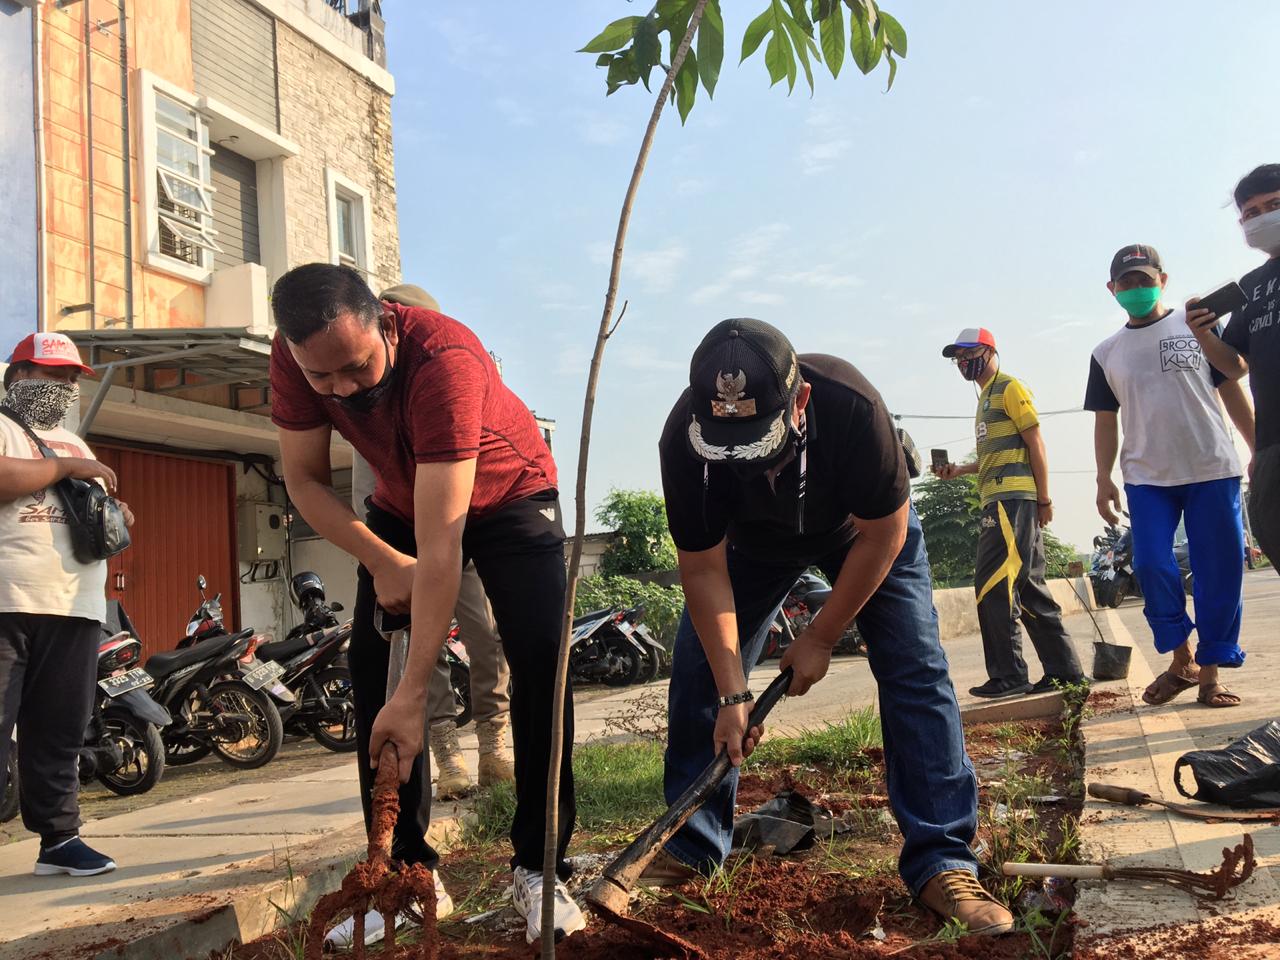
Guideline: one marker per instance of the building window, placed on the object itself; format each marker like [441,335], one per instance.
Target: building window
[184,183]
[349,218]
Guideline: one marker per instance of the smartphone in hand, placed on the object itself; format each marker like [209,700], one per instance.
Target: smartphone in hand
[1226,299]
[939,459]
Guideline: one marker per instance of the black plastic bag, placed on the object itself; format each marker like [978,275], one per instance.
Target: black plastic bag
[1242,774]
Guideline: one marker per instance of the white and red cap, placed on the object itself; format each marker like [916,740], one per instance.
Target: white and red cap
[970,337]
[49,350]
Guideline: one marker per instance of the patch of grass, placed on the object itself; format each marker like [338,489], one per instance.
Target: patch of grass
[618,787]
[840,744]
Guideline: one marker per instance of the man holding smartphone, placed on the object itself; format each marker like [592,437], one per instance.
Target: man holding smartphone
[1251,344]
[1178,463]
[1013,484]
[772,463]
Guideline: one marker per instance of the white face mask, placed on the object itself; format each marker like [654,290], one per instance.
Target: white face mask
[1263,233]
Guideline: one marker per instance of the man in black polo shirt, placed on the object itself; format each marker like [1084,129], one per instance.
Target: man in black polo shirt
[772,463]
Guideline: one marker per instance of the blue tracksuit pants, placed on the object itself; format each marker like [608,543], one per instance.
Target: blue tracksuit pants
[1215,540]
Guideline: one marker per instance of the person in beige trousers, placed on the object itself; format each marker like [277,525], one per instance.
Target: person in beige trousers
[478,631]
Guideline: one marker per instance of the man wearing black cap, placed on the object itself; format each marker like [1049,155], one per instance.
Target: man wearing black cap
[772,463]
[1178,463]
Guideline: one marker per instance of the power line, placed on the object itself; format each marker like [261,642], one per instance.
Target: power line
[922,416]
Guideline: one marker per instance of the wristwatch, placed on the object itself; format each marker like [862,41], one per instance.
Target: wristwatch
[735,698]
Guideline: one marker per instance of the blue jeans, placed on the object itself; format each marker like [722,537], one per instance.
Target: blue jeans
[933,791]
[1215,542]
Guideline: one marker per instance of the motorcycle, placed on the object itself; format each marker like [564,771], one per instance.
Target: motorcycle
[123,745]
[207,622]
[613,647]
[806,597]
[312,657]
[214,707]
[456,656]
[1111,567]
[9,802]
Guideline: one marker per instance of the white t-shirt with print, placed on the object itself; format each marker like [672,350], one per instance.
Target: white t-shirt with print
[1157,377]
[38,571]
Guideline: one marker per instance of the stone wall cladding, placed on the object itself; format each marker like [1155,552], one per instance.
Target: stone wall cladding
[340,120]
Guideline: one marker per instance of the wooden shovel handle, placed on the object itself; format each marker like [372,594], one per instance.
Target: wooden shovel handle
[1075,871]
[1125,795]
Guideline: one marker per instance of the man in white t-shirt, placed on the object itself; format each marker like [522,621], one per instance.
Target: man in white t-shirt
[1178,463]
[51,605]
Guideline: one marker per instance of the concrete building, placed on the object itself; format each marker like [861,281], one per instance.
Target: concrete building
[191,151]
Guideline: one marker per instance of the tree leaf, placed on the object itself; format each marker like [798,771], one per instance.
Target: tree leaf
[604,59]
[710,46]
[895,37]
[757,30]
[779,60]
[801,15]
[864,45]
[647,48]
[893,69]
[831,31]
[686,86]
[613,37]
[803,44]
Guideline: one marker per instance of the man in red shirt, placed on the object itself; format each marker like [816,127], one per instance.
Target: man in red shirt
[462,473]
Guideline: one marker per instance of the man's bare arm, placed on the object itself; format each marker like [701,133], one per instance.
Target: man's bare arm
[1238,408]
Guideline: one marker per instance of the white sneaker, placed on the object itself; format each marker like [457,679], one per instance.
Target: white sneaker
[526,894]
[374,928]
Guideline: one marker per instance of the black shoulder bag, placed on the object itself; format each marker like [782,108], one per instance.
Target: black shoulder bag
[98,530]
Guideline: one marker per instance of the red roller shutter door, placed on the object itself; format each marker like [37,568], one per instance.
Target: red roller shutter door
[185,527]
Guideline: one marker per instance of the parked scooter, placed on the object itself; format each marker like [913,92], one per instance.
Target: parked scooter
[260,674]
[123,747]
[313,662]
[807,596]
[214,707]
[1111,567]
[9,801]
[613,647]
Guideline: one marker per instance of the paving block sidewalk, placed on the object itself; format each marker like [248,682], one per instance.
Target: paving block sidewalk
[194,873]
[1135,745]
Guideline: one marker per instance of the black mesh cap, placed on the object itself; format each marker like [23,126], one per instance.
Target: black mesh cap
[742,379]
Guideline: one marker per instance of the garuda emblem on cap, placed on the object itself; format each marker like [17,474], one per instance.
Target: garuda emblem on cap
[730,390]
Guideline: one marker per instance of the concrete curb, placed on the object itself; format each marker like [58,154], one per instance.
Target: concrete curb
[1015,708]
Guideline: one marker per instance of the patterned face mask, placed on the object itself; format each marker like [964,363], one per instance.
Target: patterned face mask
[42,403]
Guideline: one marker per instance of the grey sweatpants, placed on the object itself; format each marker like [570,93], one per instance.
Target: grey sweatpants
[48,674]
[1009,582]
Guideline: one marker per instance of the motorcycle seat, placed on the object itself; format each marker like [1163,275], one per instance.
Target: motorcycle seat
[281,650]
[162,664]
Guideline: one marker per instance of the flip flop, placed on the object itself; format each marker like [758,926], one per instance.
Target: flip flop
[1216,698]
[1167,686]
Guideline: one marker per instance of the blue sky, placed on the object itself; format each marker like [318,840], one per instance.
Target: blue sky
[1016,152]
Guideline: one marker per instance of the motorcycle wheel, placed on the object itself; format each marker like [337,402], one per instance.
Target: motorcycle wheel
[1188,583]
[257,745]
[185,751]
[143,750]
[460,682]
[9,802]
[1119,588]
[651,667]
[340,736]
[629,665]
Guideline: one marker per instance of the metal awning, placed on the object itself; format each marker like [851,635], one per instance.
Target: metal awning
[201,357]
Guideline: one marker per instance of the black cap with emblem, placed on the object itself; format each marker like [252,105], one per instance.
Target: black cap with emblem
[742,380]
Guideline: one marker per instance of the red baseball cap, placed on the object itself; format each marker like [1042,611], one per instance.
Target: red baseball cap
[970,337]
[49,350]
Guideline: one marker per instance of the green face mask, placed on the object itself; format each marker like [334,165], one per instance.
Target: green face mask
[1139,301]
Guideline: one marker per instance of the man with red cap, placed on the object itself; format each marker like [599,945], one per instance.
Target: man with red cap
[51,605]
[1013,484]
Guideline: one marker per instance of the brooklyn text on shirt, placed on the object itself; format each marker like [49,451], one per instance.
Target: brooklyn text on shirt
[1180,354]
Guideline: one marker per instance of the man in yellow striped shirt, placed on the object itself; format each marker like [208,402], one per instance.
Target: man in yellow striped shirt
[1013,482]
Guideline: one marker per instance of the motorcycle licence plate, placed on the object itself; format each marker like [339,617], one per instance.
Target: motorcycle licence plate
[124,682]
[262,674]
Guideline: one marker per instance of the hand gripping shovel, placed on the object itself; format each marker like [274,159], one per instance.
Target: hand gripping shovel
[611,895]
[376,883]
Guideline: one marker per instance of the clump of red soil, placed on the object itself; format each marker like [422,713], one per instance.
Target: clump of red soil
[1220,939]
[374,884]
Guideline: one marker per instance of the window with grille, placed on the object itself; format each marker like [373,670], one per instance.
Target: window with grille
[346,209]
[184,184]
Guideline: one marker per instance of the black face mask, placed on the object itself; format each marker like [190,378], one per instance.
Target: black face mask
[973,368]
[362,401]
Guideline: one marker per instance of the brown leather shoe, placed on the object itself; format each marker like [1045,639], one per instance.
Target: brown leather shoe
[666,871]
[957,895]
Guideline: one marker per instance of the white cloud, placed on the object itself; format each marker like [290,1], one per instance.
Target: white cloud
[656,270]
[821,156]
[825,277]
[600,129]
[749,258]
[760,297]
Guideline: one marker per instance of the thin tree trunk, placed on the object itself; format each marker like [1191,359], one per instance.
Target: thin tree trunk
[584,447]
